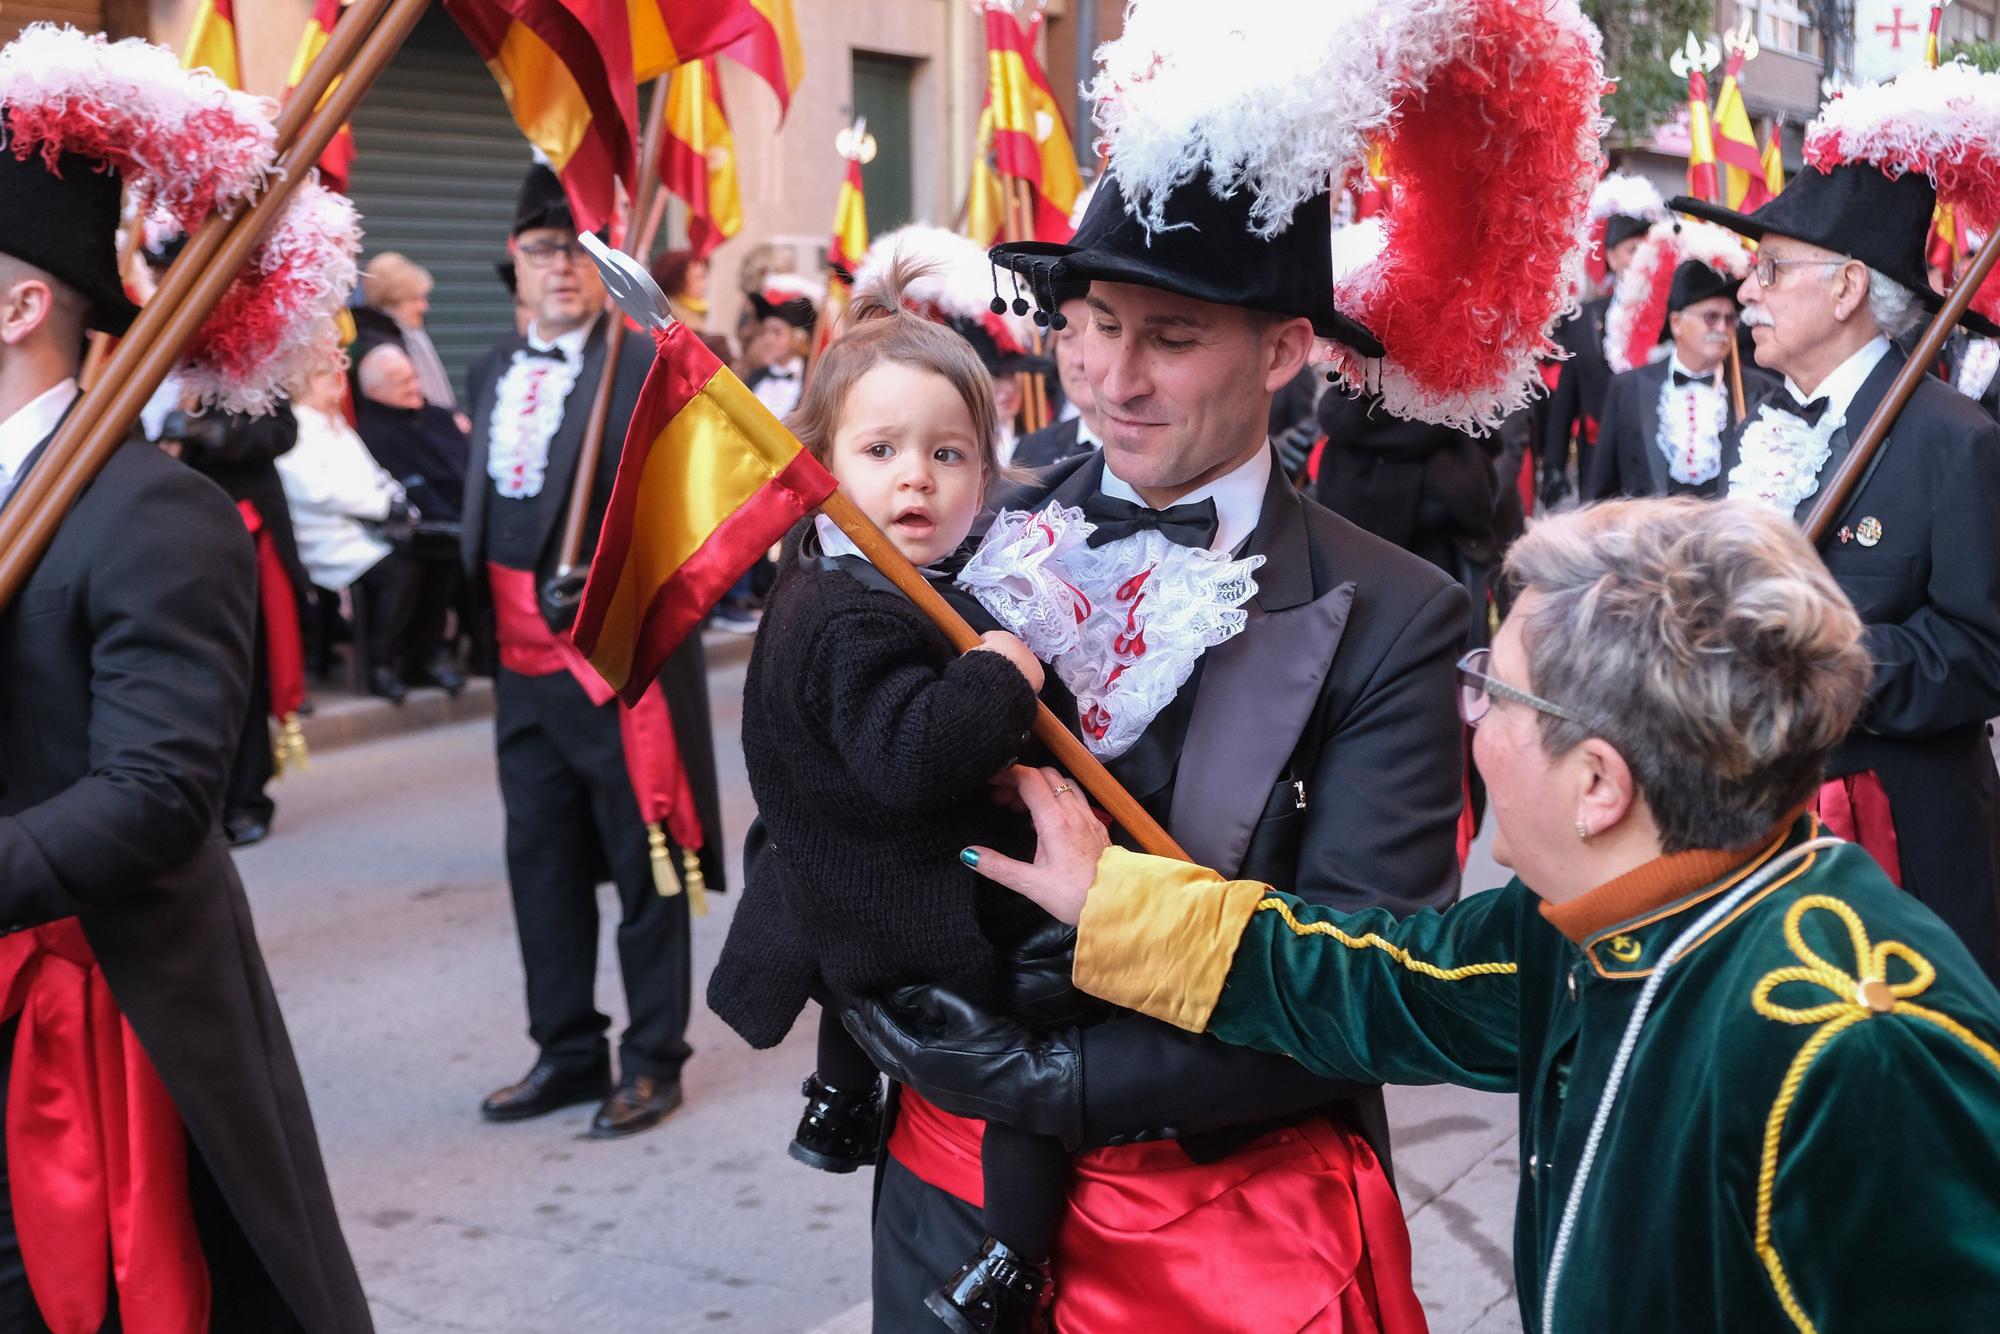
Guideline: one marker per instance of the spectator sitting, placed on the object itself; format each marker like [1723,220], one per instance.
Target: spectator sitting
[420,445]
[402,290]
[342,505]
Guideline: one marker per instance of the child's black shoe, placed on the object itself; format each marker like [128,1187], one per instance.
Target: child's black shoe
[999,1291]
[840,1128]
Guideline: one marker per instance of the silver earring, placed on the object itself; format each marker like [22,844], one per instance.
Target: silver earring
[1583,831]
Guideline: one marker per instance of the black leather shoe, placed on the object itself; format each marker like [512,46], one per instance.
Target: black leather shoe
[547,1088]
[383,682]
[640,1102]
[997,1292]
[840,1128]
[243,830]
[444,676]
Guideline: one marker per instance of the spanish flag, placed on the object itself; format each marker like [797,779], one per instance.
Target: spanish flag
[337,161]
[211,42]
[669,33]
[1030,139]
[708,481]
[565,70]
[985,197]
[1736,142]
[1774,162]
[850,222]
[1933,52]
[1701,139]
[698,157]
[771,50]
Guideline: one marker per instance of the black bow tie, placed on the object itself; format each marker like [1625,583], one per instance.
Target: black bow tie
[1683,377]
[1809,413]
[1189,525]
[552,352]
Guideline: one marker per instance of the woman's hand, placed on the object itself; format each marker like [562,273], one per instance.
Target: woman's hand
[1014,651]
[1069,838]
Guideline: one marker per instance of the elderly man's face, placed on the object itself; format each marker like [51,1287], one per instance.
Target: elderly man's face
[1183,387]
[388,377]
[1809,298]
[1702,332]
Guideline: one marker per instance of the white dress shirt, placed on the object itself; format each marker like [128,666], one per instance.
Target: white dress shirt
[781,386]
[1086,436]
[1238,495]
[1844,382]
[332,483]
[28,427]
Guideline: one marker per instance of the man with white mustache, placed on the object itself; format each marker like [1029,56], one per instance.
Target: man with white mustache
[1661,432]
[1839,275]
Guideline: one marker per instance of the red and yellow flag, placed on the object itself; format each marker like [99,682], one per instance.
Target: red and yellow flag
[1701,139]
[1030,139]
[564,67]
[1774,162]
[771,50]
[1736,142]
[698,157]
[1932,50]
[985,197]
[708,481]
[336,163]
[211,42]
[669,33]
[850,222]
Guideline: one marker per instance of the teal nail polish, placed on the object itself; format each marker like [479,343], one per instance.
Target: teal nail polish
[969,857]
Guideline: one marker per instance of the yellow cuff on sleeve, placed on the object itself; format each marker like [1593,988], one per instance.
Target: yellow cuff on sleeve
[1157,935]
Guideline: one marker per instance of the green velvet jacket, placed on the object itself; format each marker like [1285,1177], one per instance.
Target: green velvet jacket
[1806,1134]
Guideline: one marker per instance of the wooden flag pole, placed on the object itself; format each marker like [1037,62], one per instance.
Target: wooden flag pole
[565,590]
[193,285]
[1834,494]
[1735,377]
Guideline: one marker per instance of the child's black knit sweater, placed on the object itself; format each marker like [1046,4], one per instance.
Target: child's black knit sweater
[869,742]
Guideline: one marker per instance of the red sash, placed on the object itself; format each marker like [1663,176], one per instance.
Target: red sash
[1856,807]
[284,650]
[652,756]
[1298,1231]
[96,1155]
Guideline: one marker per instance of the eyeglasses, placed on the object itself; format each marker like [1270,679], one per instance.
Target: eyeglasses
[542,254]
[1477,690]
[1766,268]
[1714,319]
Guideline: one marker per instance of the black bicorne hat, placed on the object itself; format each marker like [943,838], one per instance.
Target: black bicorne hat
[1695,281]
[1855,210]
[542,202]
[64,221]
[1207,251]
[796,311]
[996,359]
[1622,227]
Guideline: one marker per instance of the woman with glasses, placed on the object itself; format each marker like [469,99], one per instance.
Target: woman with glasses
[1661,433]
[1760,1086]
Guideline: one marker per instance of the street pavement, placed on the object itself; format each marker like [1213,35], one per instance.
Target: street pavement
[381,903]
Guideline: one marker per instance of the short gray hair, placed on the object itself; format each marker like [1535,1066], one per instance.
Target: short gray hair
[1893,306]
[1706,642]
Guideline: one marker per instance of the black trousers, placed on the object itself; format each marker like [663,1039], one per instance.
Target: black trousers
[922,1236]
[572,822]
[389,591]
[251,771]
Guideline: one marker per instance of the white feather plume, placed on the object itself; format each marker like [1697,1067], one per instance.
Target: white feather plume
[781,286]
[958,279]
[1276,95]
[1627,195]
[1922,114]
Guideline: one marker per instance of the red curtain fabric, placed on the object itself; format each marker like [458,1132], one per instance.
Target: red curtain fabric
[284,648]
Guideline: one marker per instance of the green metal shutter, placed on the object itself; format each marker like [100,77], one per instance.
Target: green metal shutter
[882,93]
[438,161]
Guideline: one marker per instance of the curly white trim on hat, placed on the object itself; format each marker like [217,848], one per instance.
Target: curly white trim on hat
[1639,305]
[181,139]
[1626,195]
[778,288]
[957,282]
[276,320]
[1944,122]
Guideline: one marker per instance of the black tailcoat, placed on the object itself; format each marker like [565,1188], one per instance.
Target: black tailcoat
[1318,749]
[685,677]
[1052,444]
[1929,594]
[124,667]
[1577,403]
[1627,460]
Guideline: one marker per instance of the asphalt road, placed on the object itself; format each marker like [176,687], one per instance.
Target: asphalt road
[382,905]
